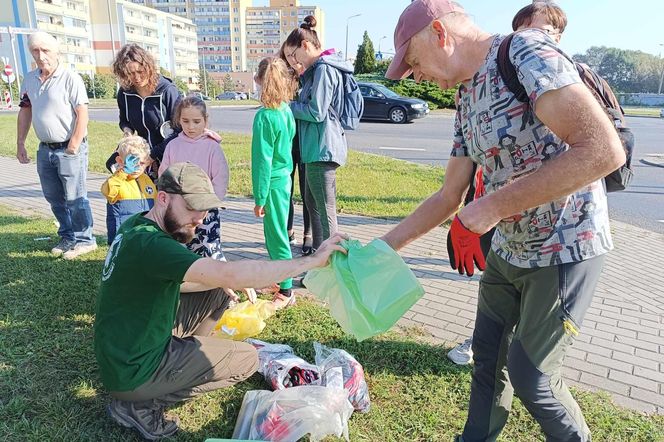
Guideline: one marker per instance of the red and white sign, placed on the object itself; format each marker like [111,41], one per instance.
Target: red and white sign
[8,70]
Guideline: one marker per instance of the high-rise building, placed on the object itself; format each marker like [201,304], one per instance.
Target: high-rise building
[233,35]
[66,20]
[171,39]
[90,32]
[268,27]
[221,29]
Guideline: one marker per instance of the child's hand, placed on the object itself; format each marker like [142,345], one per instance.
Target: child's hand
[259,211]
[131,164]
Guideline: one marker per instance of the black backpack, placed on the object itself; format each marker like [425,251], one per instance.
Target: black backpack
[620,178]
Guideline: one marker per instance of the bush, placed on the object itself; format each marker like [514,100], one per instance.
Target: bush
[104,85]
[429,92]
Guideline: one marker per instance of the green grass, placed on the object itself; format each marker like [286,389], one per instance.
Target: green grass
[368,184]
[50,389]
[642,111]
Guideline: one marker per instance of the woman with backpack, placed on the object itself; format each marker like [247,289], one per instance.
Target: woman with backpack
[317,113]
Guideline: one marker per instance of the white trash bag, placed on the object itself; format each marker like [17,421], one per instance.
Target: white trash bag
[290,414]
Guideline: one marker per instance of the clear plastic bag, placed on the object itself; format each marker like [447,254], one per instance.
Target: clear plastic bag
[244,320]
[282,368]
[330,360]
[368,290]
[288,415]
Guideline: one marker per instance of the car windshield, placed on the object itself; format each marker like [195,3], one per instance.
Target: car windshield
[385,91]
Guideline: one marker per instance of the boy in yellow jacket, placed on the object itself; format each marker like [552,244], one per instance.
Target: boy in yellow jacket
[129,190]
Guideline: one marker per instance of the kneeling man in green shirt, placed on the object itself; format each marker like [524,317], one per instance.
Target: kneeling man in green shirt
[158,304]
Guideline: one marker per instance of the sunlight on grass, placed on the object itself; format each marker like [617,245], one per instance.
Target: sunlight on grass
[84,390]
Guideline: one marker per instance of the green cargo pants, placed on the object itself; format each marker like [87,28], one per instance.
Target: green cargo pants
[526,320]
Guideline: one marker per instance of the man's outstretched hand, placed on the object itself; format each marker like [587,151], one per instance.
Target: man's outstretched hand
[330,245]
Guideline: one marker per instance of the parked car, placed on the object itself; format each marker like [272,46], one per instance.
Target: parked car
[381,103]
[199,95]
[661,113]
[231,96]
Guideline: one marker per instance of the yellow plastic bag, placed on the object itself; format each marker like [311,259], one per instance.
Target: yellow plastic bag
[244,320]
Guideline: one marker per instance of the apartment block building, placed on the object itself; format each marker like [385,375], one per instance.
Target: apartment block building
[221,29]
[171,39]
[268,26]
[67,20]
[91,31]
[234,35]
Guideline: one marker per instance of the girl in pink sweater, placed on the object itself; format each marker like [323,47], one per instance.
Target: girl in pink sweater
[200,146]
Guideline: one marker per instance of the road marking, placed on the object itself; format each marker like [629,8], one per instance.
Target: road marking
[412,149]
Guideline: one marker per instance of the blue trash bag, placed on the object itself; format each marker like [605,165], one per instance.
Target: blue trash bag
[368,290]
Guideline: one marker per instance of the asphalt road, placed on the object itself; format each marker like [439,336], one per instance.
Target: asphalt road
[428,141]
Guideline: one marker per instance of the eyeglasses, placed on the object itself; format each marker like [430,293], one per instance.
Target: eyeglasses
[292,54]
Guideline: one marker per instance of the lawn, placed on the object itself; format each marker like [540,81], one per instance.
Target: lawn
[369,185]
[632,111]
[50,390]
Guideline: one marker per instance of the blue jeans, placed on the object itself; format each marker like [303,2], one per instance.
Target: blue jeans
[62,178]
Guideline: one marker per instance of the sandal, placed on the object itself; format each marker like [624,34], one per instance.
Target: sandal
[291,238]
[306,245]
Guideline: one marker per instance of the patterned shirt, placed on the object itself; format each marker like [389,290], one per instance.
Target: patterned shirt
[507,139]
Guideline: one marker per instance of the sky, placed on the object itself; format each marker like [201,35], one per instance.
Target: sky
[634,24]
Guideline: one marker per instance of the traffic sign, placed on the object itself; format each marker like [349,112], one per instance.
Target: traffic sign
[8,70]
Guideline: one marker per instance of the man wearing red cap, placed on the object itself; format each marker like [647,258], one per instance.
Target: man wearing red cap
[549,208]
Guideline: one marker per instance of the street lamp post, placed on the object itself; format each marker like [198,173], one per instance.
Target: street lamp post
[661,76]
[379,40]
[348,20]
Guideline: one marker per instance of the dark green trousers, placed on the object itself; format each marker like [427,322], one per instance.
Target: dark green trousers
[526,321]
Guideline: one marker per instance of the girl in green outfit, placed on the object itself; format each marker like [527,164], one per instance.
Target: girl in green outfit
[272,163]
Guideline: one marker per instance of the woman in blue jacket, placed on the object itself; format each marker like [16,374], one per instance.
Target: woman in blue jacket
[146,99]
[322,139]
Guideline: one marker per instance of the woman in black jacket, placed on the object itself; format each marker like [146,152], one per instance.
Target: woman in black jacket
[146,99]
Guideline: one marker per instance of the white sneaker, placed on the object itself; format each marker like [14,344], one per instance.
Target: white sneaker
[63,246]
[78,250]
[462,354]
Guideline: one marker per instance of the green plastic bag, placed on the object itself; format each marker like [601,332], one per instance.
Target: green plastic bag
[368,290]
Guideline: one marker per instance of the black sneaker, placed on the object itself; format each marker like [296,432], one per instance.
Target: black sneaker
[150,423]
[63,246]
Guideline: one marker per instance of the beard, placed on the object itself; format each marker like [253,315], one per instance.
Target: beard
[182,233]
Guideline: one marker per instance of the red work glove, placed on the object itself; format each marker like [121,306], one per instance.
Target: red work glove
[466,247]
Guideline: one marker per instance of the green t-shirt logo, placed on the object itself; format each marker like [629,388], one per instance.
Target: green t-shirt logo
[109,263]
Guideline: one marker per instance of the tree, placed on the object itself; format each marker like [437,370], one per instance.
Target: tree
[365,61]
[228,83]
[626,71]
[178,82]
[100,86]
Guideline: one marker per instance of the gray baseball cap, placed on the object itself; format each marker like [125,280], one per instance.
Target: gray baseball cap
[190,181]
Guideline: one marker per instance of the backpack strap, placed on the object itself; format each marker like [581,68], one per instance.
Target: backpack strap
[507,71]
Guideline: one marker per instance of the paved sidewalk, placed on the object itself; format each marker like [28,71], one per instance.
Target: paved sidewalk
[620,349]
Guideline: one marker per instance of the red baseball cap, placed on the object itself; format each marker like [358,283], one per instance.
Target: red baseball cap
[417,16]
